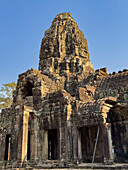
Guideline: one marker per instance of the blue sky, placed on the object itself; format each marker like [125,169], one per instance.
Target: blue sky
[23,23]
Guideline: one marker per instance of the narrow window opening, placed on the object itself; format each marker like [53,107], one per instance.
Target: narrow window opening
[28,148]
[7,147]
[27,90]
[52,144]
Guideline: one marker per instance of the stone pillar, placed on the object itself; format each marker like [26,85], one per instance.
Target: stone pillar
[110,142]
[69,133]
[23,134]
[36,138]
[60,156]
[61,146]
[62,139]
[106,144]
[79,146]
[19,150]
[70,140]
[9,148]
[45,144]
[33,138]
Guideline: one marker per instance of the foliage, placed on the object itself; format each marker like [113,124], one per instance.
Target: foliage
[6,95]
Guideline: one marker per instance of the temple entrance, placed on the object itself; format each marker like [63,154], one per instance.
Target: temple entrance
[88,138]
[52,144]
[7,147]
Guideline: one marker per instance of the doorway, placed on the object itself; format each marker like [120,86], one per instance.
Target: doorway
[88,138]
[52,144]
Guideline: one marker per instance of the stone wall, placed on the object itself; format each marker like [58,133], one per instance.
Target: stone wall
[113,85]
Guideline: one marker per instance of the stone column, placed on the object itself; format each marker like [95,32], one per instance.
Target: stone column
[69,141]
[75,141]
[33,138]
[44,144]
[23,134]
[36,138]
[110,143]
[79,146]
[60,146]
[9,148]
[19,150]
[69,154]
[107,143]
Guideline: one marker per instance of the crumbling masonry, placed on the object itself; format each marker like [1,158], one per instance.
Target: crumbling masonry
[57,110]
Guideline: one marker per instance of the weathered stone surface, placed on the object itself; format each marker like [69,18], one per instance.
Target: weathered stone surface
[64,52]
[57,110]
[64,49]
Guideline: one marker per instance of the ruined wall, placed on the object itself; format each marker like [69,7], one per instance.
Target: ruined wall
[9,126]
[32,86]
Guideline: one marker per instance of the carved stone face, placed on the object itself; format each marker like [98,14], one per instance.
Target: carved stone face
[64,44]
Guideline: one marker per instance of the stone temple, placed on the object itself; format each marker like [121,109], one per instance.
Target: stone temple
[66,113]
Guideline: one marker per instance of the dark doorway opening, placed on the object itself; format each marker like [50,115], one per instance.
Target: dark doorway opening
[28,147]
[7,147]
[117,116]
[88,139]
[52,144]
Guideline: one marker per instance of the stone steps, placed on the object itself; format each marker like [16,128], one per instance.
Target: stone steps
[68,169]
[83,166]
[103,166]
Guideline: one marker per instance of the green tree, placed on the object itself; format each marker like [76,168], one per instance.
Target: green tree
[6,95]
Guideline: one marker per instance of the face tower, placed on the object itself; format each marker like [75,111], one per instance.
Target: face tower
[64,49]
